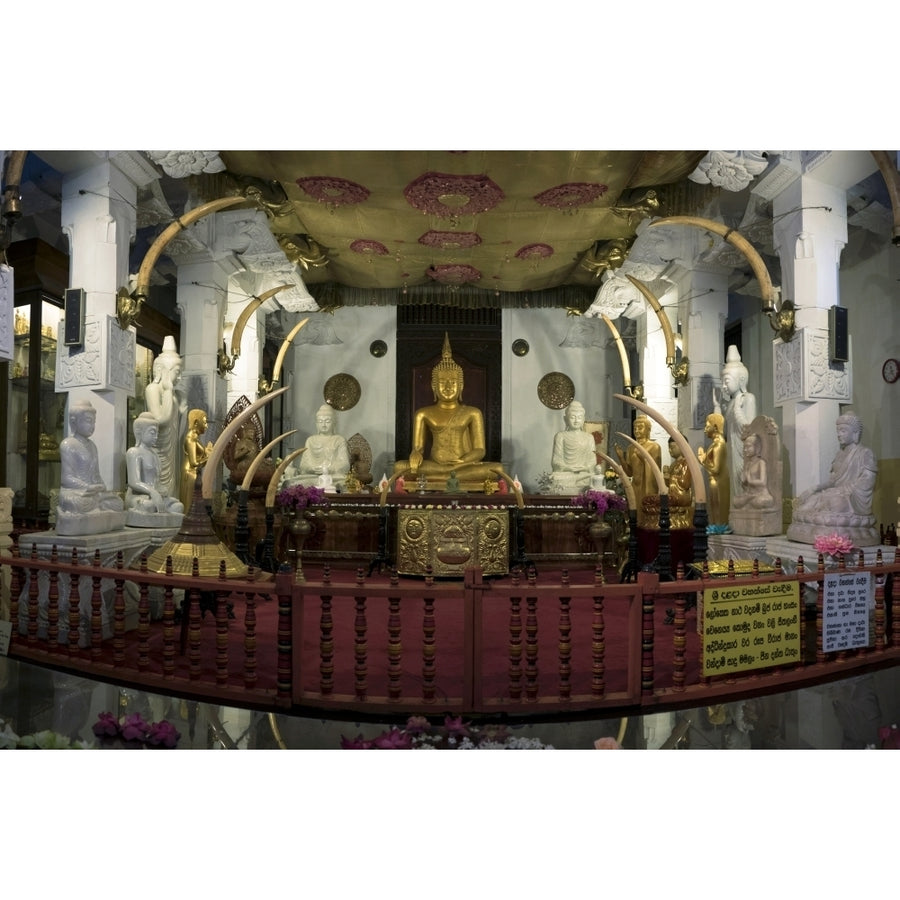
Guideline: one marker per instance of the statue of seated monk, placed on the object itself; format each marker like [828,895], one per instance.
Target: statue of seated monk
[146,503]
[85,504]
[844,502]
[457,433]
[574,456]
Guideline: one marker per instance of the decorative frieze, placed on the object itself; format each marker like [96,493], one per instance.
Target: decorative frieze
[803,371]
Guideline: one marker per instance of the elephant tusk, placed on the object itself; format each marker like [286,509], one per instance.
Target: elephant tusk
[661,315]
[284,349]
[230,430]
[736,239]
[276,475]
[696,472]
[650,461]
[623,355]
[257,460]
[142,289]
[623,477]
[244,318]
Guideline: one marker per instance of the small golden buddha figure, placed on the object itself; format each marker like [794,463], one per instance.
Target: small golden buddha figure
[457,433]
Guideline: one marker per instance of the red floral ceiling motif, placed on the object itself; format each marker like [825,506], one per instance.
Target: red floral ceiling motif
[373,248]
[534,251]
[334,191]
[568,196]
[452,195]
[450,240]
[454,274]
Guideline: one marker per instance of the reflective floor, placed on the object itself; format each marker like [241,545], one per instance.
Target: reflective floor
[841,715]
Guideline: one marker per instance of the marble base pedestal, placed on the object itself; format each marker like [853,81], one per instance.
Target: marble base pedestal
[131,541]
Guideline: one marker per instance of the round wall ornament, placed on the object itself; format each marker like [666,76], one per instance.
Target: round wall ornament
[890,371]
[342,391]
[556,390]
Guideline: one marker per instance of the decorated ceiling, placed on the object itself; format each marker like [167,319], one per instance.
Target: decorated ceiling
[498,221]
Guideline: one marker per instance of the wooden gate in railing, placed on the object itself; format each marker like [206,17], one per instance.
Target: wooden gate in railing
[522,645]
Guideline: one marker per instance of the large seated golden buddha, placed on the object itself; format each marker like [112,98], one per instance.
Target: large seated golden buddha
[457,435]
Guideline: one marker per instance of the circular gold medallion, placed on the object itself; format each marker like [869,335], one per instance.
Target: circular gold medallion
[342,391]
[556,390]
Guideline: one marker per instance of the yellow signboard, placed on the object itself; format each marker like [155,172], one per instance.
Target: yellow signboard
[750,626]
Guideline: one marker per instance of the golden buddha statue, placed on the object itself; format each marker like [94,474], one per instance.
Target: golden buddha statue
[457,434]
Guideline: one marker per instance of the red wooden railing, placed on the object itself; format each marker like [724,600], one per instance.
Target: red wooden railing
[522,645]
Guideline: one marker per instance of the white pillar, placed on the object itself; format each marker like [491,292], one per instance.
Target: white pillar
[98,216]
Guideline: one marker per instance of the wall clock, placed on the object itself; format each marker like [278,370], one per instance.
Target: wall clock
[890,371]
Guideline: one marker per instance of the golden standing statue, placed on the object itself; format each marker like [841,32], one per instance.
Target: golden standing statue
[457,434]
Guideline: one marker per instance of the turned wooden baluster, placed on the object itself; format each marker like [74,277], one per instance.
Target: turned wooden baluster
[679,634]
[15,590]
[119,613]
[565,641]
[820,611]
[96,611]
[74,608]
[801,608]
[647,632]
[704,575]
[250,644]
[360,644]
[285,637]
[515,641]
[194,616]
[598,641]
[33,592]
[531,641]
[222,628]
[168,652]
[842,568]
[326,639]
[428,645]
[143,628]
[895,605]
[53,603]
[880,607]
[395,646]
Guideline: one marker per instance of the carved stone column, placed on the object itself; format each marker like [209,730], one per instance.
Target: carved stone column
[98,216]
[809,206]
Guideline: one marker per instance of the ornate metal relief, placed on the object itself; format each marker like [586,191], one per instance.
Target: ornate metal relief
[449,540]
[556,390]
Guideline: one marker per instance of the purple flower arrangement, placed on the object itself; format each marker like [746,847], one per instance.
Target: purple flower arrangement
[134,732]
[299,496]
[599,501]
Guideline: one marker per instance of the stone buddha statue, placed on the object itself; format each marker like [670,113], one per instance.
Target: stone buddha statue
[843,502]
[574,456]
[457,434]
[146,504]
[85,504]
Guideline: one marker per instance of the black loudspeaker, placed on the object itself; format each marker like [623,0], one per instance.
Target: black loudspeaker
[73,320]
[838,338]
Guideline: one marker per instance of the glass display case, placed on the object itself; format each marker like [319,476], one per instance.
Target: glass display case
[35,412]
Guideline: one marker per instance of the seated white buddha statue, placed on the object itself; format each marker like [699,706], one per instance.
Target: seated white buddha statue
[574,455]
[843,502]
[457,434]
[85,504]
[147,505]
[326,460]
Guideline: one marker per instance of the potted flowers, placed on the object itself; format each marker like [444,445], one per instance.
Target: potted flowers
[600,503]
[294,501]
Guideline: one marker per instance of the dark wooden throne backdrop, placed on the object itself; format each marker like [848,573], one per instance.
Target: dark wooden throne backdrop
[475,339]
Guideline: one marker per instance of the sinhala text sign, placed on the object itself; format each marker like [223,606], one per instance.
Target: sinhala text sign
[847,599]
[750,626]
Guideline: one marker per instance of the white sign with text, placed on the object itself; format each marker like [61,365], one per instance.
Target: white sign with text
[848,598]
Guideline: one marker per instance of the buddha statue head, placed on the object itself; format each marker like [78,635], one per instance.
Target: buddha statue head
[447,375]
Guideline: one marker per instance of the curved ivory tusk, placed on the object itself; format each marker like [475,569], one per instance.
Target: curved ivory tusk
[257,460]
[284,349]
[661,315]
[736,239]
[699,484]
[143,278]
[272,489]
[230,430]
[623,477]
[623,355]
[244,317]
[887,165]
[657,471]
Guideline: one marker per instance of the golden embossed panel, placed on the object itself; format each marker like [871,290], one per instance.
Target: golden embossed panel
[451,540]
